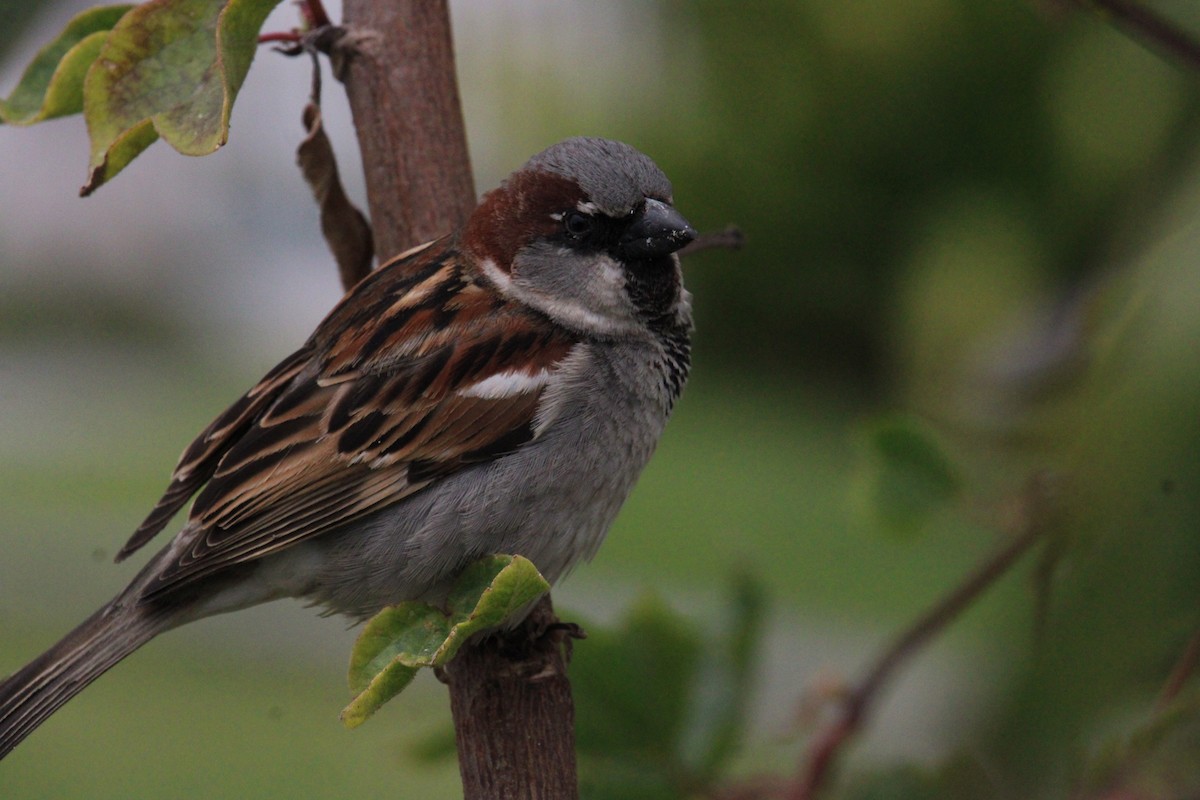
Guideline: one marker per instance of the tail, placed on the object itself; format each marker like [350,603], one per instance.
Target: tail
[37,690]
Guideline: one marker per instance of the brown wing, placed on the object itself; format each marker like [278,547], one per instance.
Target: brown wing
[377,405]
[199,460]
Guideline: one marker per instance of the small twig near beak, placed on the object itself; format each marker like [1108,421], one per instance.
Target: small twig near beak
[731,238]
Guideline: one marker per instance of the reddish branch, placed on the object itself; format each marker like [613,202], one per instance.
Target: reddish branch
[859,702]
[1184,668]
[1149,27]
[289,37]
[315,18]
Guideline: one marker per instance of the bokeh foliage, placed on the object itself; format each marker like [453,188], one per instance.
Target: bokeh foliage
[877,153]
[954,206]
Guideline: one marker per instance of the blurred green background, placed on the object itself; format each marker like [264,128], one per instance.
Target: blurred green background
[981,212]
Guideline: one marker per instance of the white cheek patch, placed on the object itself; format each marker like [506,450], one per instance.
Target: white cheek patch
[597,305]
[610,282]
[506,384]
[501,279]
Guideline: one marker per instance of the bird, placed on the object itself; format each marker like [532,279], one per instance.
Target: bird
[496,390]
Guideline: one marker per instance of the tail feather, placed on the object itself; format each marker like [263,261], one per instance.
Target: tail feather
[37,690]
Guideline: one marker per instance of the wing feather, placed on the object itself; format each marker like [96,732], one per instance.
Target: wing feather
[199,461]
[375,407]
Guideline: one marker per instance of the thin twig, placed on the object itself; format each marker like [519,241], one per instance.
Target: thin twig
[731,238]
[1184,668]
[1151,28]
[314,86]
[318,32]
[291,37]
[859,702]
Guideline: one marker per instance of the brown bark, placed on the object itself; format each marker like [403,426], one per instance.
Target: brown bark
[509,694]
[513,713]
[398,68]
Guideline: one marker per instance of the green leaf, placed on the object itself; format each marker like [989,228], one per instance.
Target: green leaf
[906,477]
[487,594]
[401,639]
[52,84]
[176,65]
[124,149]
[961,777]
[628,779]
[660,706]
[632,685]
[406,634]
[716,716]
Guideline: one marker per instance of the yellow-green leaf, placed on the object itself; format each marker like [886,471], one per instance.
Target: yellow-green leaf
[401,639]
[487,594]
[52,84]
[383,687]
[124,149]
[176,64]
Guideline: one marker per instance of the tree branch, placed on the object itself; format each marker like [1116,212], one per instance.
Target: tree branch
[1153,30]
[509,694]
[397,61]
[1183,670]
[859,702]
[513,714]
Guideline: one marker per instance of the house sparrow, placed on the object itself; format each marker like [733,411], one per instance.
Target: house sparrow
[494,391]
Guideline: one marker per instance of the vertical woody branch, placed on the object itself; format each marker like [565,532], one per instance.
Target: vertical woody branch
[509,694]
[514,719]
[398,68]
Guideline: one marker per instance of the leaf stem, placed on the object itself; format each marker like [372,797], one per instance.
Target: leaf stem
[291,37]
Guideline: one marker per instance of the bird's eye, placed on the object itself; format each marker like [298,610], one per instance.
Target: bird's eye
[578,225]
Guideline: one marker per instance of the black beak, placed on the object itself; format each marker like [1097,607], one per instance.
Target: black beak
[657,230]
